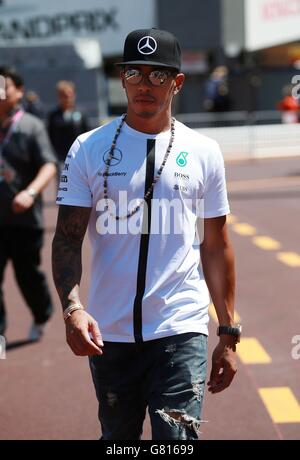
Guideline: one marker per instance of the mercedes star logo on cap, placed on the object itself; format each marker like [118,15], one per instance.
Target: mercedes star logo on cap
[147,45]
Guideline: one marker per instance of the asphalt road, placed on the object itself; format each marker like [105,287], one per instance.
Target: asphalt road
[47,393]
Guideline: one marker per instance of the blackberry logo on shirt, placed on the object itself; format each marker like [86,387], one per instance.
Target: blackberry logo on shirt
[115,173]
[116,158]
[181,159]
[63,178]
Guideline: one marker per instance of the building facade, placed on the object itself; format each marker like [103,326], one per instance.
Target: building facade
[258,41]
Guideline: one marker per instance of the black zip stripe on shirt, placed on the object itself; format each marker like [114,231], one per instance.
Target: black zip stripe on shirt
[144,245]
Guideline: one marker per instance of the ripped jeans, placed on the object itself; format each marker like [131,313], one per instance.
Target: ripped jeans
[167,375]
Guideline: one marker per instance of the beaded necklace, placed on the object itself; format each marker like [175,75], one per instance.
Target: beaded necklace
[155,180]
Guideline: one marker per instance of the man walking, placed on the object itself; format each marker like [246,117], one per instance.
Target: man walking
[136,182]
[65,123]
[27,165]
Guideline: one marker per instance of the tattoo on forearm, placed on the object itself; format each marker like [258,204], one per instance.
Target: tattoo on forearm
[66,252]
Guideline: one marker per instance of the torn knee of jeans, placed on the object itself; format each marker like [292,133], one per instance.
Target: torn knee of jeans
[170,348]
[179,418]
[198,391]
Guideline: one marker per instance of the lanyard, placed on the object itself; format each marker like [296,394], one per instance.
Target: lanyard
[12,128]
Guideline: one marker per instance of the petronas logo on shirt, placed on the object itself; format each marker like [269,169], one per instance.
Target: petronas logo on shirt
[181,159]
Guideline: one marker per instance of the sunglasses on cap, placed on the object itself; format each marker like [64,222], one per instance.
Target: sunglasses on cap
[156,77]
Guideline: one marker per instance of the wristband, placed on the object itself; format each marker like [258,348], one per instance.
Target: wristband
[69,310]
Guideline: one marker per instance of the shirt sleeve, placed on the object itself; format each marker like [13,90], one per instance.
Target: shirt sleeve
[74,189]
[41,146]
[215,192]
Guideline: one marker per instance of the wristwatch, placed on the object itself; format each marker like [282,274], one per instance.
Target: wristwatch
[231,330]
[31,192]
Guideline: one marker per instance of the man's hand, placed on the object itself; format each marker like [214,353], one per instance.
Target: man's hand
[78,327]
[224,366]
[21,202]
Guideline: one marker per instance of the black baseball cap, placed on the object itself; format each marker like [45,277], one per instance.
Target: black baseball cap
[152,47]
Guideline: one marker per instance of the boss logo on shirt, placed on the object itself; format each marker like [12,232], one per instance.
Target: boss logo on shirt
[66,167]
[181,176]
[116,158]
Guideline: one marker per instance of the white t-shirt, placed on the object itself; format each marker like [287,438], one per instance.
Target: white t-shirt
[146,285]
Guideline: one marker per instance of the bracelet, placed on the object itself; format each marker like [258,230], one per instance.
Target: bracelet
[69,310]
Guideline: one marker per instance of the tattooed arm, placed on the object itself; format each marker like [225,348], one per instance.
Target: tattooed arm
[67,269]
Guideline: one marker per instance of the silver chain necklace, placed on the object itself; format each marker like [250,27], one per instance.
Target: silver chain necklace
[155,180]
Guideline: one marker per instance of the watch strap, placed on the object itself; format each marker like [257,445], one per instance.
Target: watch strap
[230,330]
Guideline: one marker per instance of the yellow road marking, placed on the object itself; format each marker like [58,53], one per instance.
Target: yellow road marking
[265,183]
[213,314]
[244,229]
[281,404]
[292,259]
[267,243]
[237,317]
[250,351]
[231,219]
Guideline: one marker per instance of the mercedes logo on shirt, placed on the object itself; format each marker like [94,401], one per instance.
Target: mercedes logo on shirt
[116,158]
[147,45]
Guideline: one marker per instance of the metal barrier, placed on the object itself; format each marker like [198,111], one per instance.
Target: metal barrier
[244,135]
[223,119]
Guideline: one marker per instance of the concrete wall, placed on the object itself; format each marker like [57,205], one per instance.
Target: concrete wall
[197,24]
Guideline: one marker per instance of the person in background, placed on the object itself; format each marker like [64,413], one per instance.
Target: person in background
[216,91]
[27,164]
[289,106]
[66,122]
[32,104]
